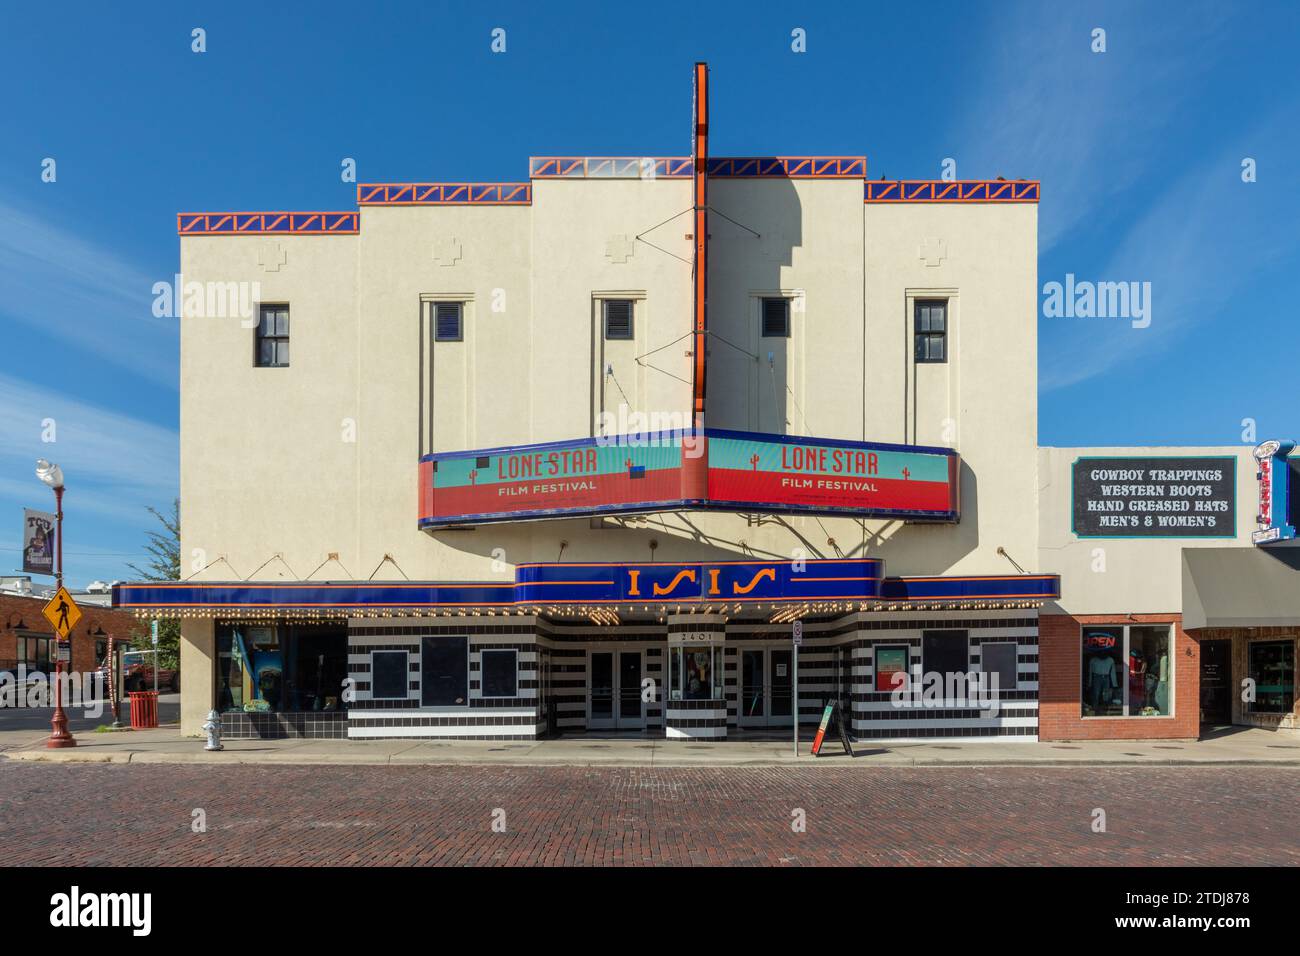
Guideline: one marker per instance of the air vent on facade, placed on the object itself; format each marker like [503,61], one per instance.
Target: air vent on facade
[447,322]
[618,318]
[776,318]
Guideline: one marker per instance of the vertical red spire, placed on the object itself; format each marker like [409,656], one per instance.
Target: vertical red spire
[700,162]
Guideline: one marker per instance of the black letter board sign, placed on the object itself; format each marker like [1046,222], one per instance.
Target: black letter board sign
[1155,497]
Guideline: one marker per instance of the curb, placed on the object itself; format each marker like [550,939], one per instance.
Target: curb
[237,758]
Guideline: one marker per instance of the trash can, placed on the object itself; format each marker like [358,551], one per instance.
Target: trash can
[144,709]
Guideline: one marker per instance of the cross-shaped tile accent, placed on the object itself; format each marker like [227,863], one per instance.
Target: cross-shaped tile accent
[270,256]
[619,248]
[446,252]
[933,251]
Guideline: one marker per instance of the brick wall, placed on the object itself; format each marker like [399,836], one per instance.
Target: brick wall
[1060,683]
[22,615]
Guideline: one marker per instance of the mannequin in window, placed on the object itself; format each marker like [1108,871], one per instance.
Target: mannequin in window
[1102,680]
[1137,671]
[1162,688]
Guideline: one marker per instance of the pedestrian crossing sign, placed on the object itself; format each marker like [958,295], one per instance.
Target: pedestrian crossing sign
[62,613]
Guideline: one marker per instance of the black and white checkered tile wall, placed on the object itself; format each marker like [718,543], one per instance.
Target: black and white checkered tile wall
[838,660]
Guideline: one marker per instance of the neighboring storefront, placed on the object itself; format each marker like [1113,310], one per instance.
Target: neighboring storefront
[1243,605]
[28,641]
[1180,601]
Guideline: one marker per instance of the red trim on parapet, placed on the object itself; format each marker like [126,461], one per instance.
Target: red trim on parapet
[268,223]
[679,167]
[788,167]
[609,167]
[444,194]
[960,190]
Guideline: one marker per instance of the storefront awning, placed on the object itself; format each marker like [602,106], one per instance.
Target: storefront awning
[601,591]
[1241,587]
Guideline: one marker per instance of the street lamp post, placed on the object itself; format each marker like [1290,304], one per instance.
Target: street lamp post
[52,475]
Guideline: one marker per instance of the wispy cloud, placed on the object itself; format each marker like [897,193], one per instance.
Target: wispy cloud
[83,293]
[1084,123]
[1208,237]
[114,464]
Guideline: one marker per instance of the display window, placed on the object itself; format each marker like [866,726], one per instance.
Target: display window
[1001,658]
[388,675]
[945,652]
[444,672]
[281,667]
[1127,671]
[1272,669]
[890,667]
[500,673]
[695,672]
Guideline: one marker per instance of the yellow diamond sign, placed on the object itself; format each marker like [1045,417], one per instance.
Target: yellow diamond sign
[62,613]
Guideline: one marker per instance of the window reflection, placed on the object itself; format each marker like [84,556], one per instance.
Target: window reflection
[695,672]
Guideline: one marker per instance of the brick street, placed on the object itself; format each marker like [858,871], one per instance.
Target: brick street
[140,815]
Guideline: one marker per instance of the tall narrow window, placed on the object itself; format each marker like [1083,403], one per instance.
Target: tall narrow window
[444,671]
[272,337]
[388,675]
[931,330]
[618,318]
[448,321]
[500,670]
[776,318]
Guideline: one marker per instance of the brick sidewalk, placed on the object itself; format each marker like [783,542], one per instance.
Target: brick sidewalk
[1239,747]
[258,816]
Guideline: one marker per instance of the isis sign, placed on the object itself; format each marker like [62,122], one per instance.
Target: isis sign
[1155,497]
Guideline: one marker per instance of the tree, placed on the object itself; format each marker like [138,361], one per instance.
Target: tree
[163,564]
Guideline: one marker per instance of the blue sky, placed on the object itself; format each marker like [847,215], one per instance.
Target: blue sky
[1139,150]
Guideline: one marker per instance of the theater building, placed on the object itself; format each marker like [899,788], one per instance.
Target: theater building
[574,454]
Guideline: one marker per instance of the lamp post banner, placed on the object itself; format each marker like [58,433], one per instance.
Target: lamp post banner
[38,542]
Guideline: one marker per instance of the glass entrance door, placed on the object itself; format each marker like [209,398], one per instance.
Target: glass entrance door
[1216,684]
[615,691]
[766,687]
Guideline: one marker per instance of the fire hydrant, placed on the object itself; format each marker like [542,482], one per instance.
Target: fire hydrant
[213,729]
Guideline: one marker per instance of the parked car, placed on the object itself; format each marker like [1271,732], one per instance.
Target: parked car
[140,677]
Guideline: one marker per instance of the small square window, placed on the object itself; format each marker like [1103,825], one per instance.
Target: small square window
[618,318]
[448,322]
[945,652]
[272,340]
[931,331]
[776,318]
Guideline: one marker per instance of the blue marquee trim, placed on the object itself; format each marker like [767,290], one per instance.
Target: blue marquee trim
[1044,587]
[720,582]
